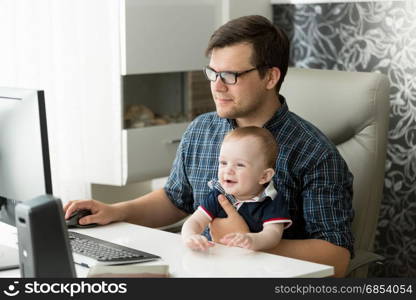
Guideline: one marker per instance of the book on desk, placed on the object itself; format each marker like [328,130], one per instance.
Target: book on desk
[156,269]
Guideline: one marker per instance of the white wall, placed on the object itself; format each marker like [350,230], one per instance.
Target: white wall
[43,47]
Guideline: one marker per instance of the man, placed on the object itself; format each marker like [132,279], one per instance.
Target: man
[248,62]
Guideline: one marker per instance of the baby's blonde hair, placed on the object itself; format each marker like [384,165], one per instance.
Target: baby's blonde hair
[267,141]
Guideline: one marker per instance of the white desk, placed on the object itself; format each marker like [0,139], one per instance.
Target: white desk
[218,261]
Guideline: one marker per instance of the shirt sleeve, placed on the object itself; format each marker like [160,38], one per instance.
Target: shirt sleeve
[276,211]
[177,188]
[210,205]
[327,195]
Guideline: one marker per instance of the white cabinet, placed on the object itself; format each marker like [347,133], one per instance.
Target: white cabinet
[171,35]
[150,151]
[165,36]
[79,52]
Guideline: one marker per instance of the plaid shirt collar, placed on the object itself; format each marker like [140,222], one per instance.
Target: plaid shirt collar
[276,120]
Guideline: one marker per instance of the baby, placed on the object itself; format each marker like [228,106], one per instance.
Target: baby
[246,168]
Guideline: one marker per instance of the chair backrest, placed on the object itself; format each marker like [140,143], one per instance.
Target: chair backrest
[352,109]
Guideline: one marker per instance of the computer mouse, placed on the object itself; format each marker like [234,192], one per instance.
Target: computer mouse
[72,221]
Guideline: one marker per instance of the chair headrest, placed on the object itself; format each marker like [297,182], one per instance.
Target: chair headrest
[348,99]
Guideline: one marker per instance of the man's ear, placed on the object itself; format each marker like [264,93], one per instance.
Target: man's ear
[267,176]
[273,77]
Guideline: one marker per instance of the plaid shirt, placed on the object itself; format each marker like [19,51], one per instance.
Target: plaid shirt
[310,172]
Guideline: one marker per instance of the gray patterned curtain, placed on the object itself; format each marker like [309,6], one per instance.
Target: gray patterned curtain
[372,37]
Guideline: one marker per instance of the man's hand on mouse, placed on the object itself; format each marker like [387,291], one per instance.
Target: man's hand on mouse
[100,213]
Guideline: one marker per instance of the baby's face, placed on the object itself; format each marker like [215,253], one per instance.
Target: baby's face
[241,167]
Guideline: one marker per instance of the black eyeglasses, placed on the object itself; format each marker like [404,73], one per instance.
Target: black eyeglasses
[226,76]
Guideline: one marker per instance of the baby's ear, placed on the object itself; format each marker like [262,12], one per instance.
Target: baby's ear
[267,176]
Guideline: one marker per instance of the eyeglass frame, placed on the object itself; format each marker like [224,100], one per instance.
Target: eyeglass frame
[236,74]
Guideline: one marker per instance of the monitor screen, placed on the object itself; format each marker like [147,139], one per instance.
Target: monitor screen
[24,152]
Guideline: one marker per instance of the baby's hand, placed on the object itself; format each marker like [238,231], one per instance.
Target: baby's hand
[242,240]
[198,242]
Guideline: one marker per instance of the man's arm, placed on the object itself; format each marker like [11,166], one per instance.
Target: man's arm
[313,250]
[153,210]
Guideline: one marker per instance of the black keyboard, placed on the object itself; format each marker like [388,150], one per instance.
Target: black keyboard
[105,252]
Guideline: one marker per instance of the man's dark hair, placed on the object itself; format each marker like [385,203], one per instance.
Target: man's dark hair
[270,44]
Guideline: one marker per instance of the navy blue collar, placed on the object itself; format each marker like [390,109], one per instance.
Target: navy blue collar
[268,192]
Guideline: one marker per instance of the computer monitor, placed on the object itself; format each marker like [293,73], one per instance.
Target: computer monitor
[25,170]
